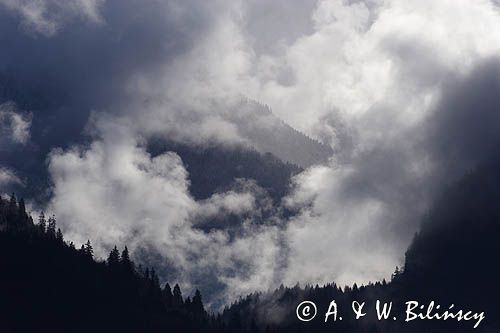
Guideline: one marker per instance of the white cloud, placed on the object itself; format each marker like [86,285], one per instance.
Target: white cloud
[114,192]
[373,71]
[14,126]
[227,203]
[48,16]
[8,177]
[372,57]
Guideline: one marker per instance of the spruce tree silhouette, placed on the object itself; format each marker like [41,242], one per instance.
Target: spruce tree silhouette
[42,223]
[59,235]
[88,250]
[167,296]
[51,227]
[177,301]
[114,258]
[125,262]
[197,308]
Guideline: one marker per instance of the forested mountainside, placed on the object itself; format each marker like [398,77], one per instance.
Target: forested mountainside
[268,133]
[276,152]
[47,285]
[452,260]
[212,169]
[456,252]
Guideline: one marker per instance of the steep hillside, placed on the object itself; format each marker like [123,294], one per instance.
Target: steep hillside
[453,260]
[268,133]
[46,285]
[459,242]
[213,169]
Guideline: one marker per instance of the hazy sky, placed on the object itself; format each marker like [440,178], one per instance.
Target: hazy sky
[406,92]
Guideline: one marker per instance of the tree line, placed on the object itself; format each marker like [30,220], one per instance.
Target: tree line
[48,285]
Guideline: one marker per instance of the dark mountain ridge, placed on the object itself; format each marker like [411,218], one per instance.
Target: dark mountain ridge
[268,133]
[47,285]
[452,260]
[214,169]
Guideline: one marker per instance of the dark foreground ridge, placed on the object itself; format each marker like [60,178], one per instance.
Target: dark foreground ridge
[452,260]
[48,285]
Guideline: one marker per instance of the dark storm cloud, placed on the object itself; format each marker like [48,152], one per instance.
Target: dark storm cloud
[406,104]
[465,129]
[83,64]
[86,65]
[371,203]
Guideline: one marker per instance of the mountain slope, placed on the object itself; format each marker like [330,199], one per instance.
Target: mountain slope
[268,133]
[459,242]
[212,169]
[453,260]
[47,285]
